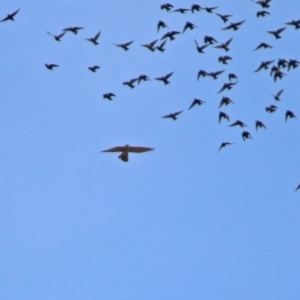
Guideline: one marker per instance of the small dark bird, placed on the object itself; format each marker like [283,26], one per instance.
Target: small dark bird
[161,46]
[225,101]
[200,49]
[225,45]
[238,123]
[278,74]
[224,17]
[223,59]
[94,68]
[166,6]
[125,150]
[293,63]
[210,9]
[202,73]
[173,115]
[282,63]
[181,10]
[10,16]
[109,96]
[170,35]
[51,66]
[124,46]
[223,115]
[289,114]
[188,25]
[274,69]
[165,78]
[234,26]
[246,135]
[263,4]
[277,32]
[161,24]
[264,65]
[262,13]
[130,82]
[94,39]
[57,37]
[209,40]
[297,188]
[277,96]
[215,75]
[263,45]
[224,144]
[73,29]
[259,124]
[294,23]
[142,78]
[195,7]
[150,46]
[196,101]
[227,86]
[272,108]
[232,76]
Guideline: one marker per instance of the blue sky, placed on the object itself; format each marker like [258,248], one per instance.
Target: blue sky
[182,221]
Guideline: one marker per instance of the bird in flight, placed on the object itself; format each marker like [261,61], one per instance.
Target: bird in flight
[277,95]
[263,3]
[150,46]
[57,37]
[294,23]
[262,13]
[289,114]
[224,144]
[161,24]
[165,78]
[224,17]
[264,65]
[94,68]
[223,59]
[170,35]
[259,124]
[238,123]
[215,75]
[224,45]
[173,115]
[297,188]
[124,46]
[195,7]
[263,45]
[142,78]
[227,86]
[196,102]
[130,82]
[234,26]
[277,32]
[109,96]
[73,29]
[166,6]
[272,108]
[10,16]
[225,101]
[161,46]
[200,49]
[209,40]
[210,9]
[223,115]
[94,39]
[51,66]
[246,135]
[125,150]
[181,10]
[188,25]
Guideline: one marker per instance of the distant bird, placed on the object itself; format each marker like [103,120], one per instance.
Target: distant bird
[181,10]
[223,115]
[195,7]
[264,65]
[224,144]
[259,124]
[209,40]
[124,46]
[161,24]
[282,63]
[223,59]
[272,108]
[73,29]
[150,46]
[263,4]
[225,101]
[238,123]
[10,16]
[202,73]
[173,115]
[224,45]
[277,32]
[294,23]
[277,96]
[109,96]
[130,83]
[278,74]
[215,75]
[57,37]
[224,17]
[166,6]
[170,35]
[297,188]
[274,69]
[262,13]
[94,39]
[200,49]
[263,45]
[94,68]
[165,78]
[232,76]
[51,66]
[142,78]
[289,114]
[227,86]
[234,26]
[246,135]
[293,63]
[125,150]
[188,25]
[196,102]
[161,46]
[210,9]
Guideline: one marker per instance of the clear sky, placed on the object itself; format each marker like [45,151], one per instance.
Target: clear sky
[180,222]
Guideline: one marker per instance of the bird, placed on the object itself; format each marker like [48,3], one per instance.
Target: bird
[277,95]
[238,123]
[294,23]
[51,66]
[223,59]
[181,10]
[170,35]
[262,13]
[166,6]
[196,102]
[200,49]
[227,86]
[125,150]
[234,26]
[224,45]
[272,108]
[143,77]
[263,45]
[289,114]
[124,46]
[259,124]
[94,68]
[94,39]
[10,16]
[278,74]
[73,29]
[292,63]
[232,76]
[130,82]
[215,75]
[264,65]
[188,25]
[161,24]
[173,115]
[57,37]
[246,135]
[277,32]
[223,115]
[195,7]
[165,78]
[297,188]
[282,63]
[224,144]
[161,46]
[263,4]
[109,96]
[209,40]
[202,73]
[225,101]
[224,17]
[210,9]
[150,46]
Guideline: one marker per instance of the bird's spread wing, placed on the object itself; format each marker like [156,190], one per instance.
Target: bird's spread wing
[139,149]
[115,149]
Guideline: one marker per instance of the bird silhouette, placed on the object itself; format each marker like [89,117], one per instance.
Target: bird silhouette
[282,63]
[297,188]
[124,46]
[73,29]
[196,102]
[215,75]
[161,46]
[277,32]
[277,95]
[232,76]
[262,13]
[166,6]
[225,101]
[51,66]
[173,115]
[263,45]
[246,135]
[294,23]
[209,40]
[150,46]
[143,77]
[259,124]
[224,59]
[10,16]
[170,35]
[130,83]
[109,96]
[224,45]
[165,78]
[263,3]
[264,65]
[195,7]
[202,73]
[181,10]
[238,123]
[210,9]
[289,114]
[293,63]
[224,17]
[57,37]
[223,115]
[200,49]
[94,39]
[161,24]
[278,74]
[272,108]
[234,26]
[188,25]
[94,68]
[227,86]
[223,145]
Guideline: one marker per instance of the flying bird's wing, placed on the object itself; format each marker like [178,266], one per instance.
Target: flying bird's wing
[115,149]
[97,36]
[168,75]
[139,149]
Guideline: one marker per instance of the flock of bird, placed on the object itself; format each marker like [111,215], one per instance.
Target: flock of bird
[278,69]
